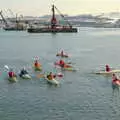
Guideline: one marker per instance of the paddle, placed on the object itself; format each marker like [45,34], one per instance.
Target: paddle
[6,67]
[40,75]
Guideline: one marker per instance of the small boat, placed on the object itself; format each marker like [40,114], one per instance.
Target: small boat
[110,72]
[25,76]
[12,79]
[64,55]
[53,81]
[54,26]
[14,26]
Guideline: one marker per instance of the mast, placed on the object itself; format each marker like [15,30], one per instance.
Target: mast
[53,20]
[3,19]
[63,17]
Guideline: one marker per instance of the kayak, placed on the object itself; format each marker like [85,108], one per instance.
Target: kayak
[66,65]
[53,81]
[111,72]
[59,54]
[12,79]
[25,76]
[69,69]
[37,68]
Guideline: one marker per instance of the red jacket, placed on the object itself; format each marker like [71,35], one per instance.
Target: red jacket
[11,74]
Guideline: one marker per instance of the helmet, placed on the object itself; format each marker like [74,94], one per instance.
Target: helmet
[113,74]
[107,65]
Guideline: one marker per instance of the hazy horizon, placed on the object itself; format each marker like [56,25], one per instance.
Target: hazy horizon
[69,7]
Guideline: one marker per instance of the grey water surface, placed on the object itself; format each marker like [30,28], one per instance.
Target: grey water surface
[82,95]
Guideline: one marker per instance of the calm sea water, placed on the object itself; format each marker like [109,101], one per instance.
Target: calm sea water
[80,96]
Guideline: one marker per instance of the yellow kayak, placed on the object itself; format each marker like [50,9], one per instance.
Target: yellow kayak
[38,68]
[12,79]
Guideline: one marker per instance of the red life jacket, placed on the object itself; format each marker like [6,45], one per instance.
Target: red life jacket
[11,74]
[62,62]
[107,69]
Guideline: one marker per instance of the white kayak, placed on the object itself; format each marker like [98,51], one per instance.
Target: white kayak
[26,76]
[53,81]
[111,72]
[12,79]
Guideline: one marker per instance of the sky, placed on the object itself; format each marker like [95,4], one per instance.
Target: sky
[70,7]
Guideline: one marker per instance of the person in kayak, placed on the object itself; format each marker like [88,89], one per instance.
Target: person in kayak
[50,76]
[11,73]
[107,68]
[23,72]
[61,63]
[37,64]
[115,78]
[62,53]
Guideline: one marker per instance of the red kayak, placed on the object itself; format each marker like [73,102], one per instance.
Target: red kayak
[66,65]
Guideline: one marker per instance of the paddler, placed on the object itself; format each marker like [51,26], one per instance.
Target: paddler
[62,63]
[107,68]
[115,78]
[23,72]
[50,76]
[62,53]
[11,73]
[37,64]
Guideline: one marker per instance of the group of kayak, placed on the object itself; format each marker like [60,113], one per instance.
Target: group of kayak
[109,71]
[62,64]
[12,76]
[50,77]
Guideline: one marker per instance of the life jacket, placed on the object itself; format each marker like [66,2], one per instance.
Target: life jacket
[23,72]
[37,64]
[107,69]
[61,62]
[11,74]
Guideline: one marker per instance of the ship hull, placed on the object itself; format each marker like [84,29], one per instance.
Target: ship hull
[45,30]
[13,29]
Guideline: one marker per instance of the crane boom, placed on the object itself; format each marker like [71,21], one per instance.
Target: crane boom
[3,18]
